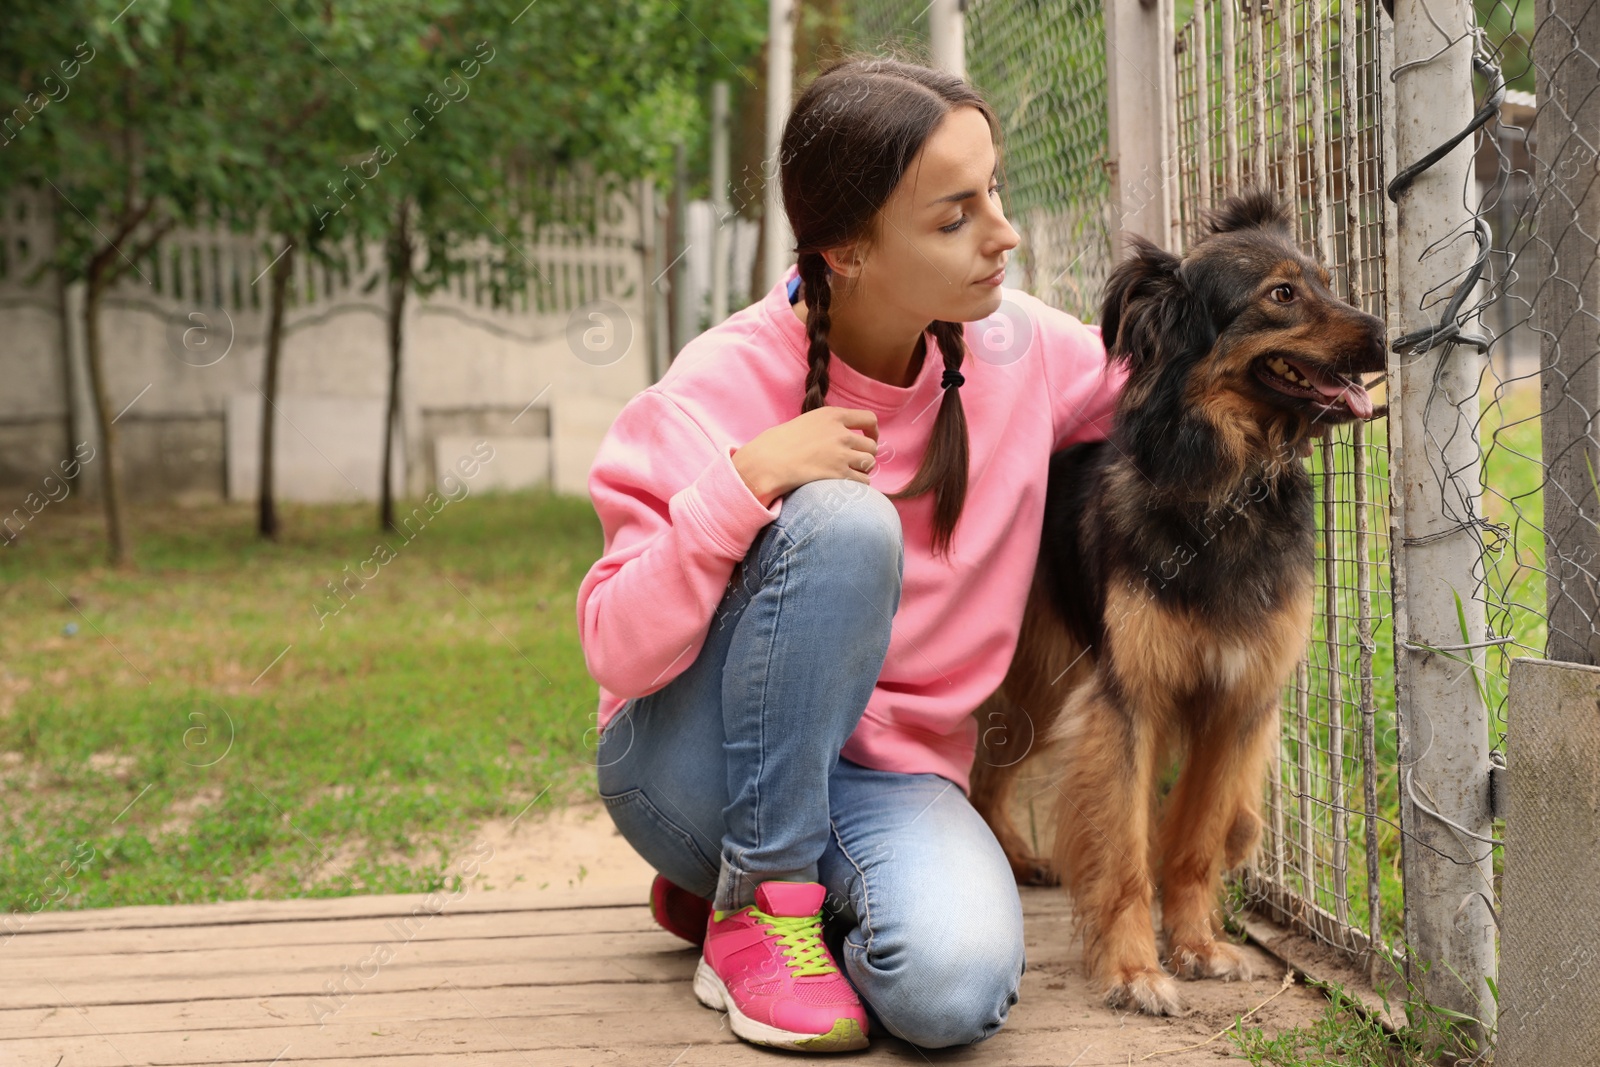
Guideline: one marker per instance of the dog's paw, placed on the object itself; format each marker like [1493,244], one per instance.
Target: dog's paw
[1211,959]
[1150,991]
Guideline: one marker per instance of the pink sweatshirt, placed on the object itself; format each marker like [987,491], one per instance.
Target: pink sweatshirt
[677,517]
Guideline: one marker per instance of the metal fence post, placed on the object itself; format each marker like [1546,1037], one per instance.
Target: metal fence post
[1139,95]
[1437,550]
[947,41]
[776,239]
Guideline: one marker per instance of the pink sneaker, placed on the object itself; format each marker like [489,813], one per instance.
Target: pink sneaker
[678,911]
[767,967]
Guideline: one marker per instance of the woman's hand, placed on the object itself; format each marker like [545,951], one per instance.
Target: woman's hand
[819,444]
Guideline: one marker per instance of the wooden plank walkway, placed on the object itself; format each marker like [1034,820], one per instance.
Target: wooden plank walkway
[517,978]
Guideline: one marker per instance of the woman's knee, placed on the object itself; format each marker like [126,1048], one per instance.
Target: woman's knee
[942,992]
[839,519]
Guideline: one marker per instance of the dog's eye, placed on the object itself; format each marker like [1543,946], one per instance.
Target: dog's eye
[1282,294]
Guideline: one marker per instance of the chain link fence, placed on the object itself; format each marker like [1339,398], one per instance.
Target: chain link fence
[1530,511]
[1042,69]
[1536,190]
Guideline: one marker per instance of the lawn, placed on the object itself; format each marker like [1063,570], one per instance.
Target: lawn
[243,719]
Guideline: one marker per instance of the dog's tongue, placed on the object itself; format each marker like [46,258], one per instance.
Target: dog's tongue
[1335,386]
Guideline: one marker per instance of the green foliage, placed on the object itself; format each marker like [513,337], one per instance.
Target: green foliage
[1509,27]
[426,125]
[316,119]
[129,140]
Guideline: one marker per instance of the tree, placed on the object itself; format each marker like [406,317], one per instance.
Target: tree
[614,86]
[433,120]
[116,129]
[290,119]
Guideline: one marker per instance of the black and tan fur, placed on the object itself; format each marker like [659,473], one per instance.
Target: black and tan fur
[1173,595]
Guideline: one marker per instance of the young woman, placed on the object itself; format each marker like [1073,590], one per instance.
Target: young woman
[790,626]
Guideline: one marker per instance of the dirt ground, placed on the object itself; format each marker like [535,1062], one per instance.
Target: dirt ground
[577,847]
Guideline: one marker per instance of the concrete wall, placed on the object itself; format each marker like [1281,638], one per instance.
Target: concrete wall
[184,339]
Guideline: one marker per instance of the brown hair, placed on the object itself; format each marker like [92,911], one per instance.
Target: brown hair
[845,148]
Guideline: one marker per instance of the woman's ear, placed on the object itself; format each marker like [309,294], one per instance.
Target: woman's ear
[845,261]
[1144,307]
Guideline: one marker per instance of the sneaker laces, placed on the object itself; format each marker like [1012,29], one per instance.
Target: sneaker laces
[801,937]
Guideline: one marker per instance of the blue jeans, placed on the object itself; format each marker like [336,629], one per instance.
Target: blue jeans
[730,775]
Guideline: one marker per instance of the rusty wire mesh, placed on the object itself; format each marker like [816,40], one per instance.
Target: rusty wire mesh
[1278,100]
[1291,96]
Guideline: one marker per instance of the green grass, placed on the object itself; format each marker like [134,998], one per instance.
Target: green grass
[165,753]
[1343,1036]
[1347,1036]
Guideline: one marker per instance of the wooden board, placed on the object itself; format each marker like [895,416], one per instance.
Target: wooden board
[509,977]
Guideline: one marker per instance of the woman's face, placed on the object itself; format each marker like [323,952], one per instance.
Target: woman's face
[942,231]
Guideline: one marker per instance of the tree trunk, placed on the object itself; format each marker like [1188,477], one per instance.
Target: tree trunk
[69,386]
[399,282]
[110,480]
[750,163]
[267,524]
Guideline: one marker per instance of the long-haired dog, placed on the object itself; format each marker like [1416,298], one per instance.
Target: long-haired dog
[1173,593]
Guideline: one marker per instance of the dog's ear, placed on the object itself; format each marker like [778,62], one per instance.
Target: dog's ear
[1255,207]
[1145,306]
[1146,273]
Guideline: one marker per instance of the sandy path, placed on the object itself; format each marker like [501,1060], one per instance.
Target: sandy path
[577,847]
